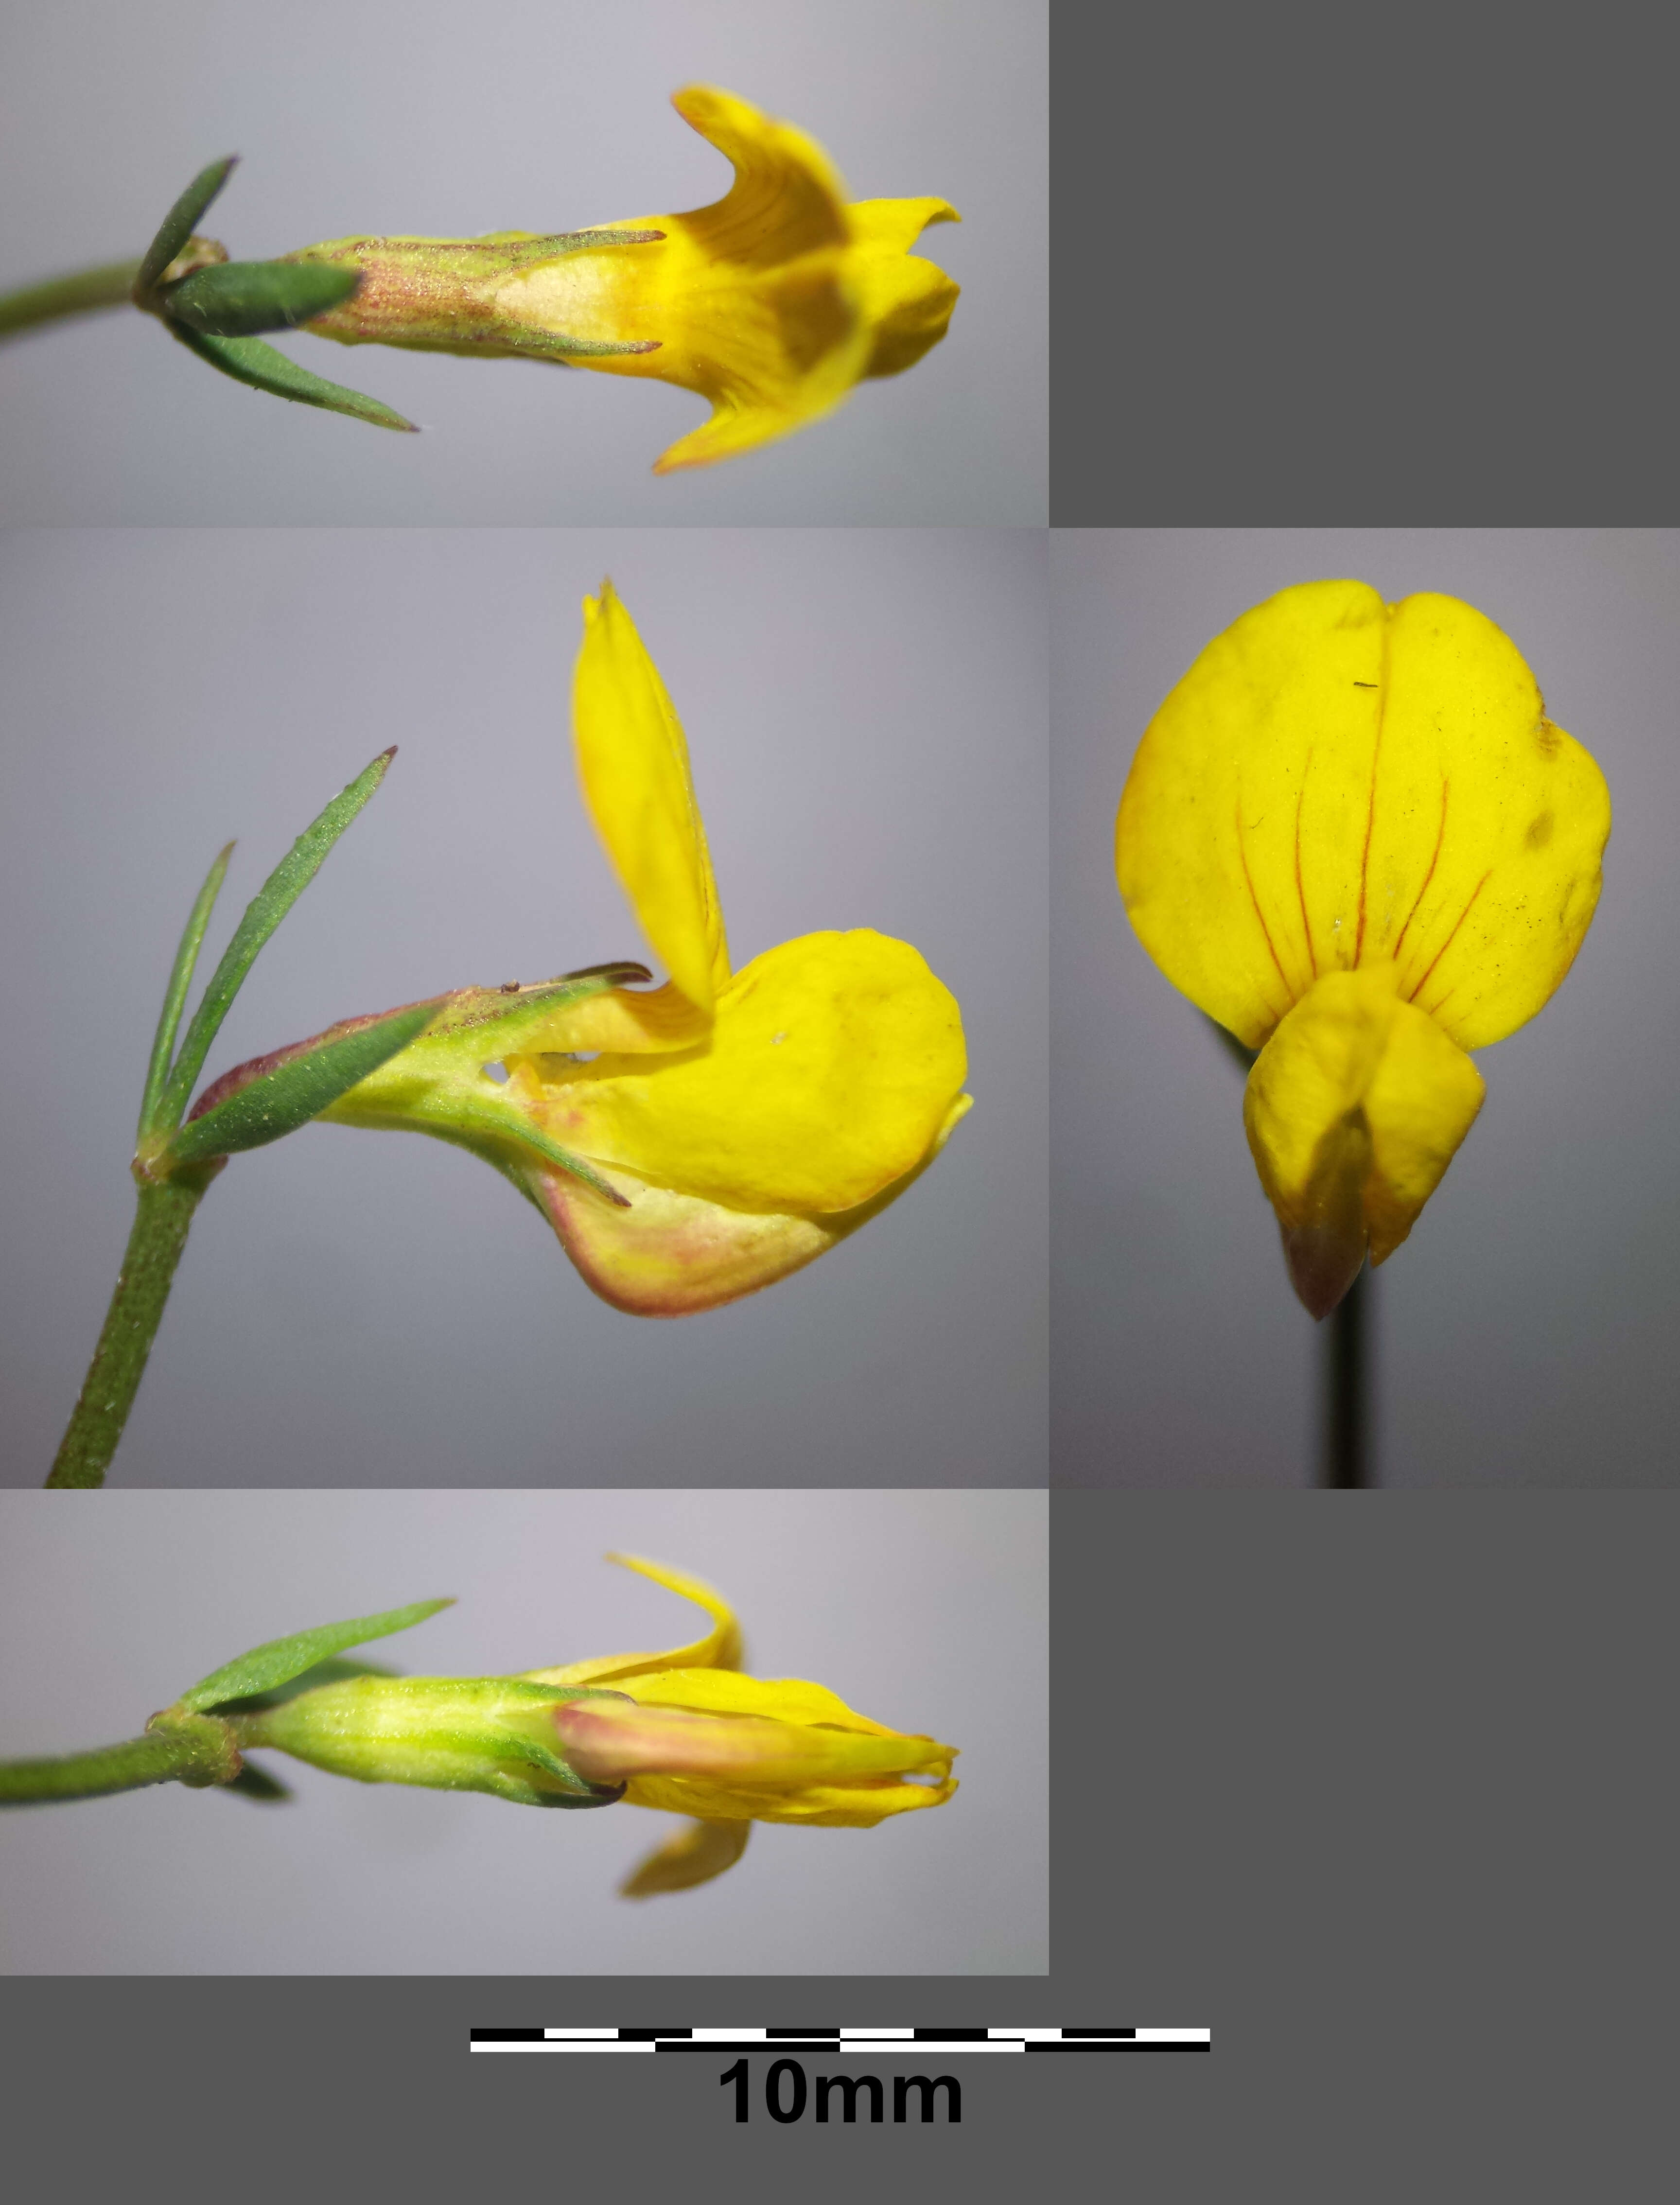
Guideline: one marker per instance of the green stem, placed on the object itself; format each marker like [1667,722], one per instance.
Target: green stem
[1347,1389]
[162,1217]
[84,292]
[192,1749]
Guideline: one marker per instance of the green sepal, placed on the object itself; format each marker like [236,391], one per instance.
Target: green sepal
[250,361]
[180,220]
[281,1659]
[238,298]
[262,914]
[300,1089]
[437,1085]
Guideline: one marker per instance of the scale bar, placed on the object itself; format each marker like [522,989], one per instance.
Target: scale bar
[534,2038]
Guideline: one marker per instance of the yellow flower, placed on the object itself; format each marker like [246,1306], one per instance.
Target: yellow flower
[691,1143]
[693,1736]
[772,303]
[684,1731]
[1352,836]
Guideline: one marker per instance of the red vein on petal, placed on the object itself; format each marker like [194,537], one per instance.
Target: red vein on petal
[1300,886]
[1371,814]
[1441,836]
[1447,944]
[1242,853]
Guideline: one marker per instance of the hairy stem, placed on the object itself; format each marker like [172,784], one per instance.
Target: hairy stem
[84,292]
[195,1750]
[163,1216]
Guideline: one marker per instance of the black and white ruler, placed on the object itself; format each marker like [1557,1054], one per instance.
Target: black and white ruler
[844,2041]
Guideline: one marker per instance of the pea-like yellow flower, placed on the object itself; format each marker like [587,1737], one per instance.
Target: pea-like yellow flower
[693,1735]
[772,303]
[1352,837]
[685,1732]
[693,1143]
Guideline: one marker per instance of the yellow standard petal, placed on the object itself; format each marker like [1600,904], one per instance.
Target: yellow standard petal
[721,1647]
[632,762]
[750,302]
[1354,1109]
[1337,783]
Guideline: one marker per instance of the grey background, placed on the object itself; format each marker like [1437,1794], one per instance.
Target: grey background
[866,715]
[1525,1332]
[418,116]
[928,1611]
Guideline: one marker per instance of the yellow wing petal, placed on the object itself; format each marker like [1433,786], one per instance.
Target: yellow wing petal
[1420,1106]
[692,1855]
[833,1071]
[856,1806]
[1354,1109]
[721,1647]
[907,303]
[633,761]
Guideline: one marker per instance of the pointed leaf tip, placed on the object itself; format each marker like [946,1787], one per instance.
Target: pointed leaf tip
[260,367]
[180,220]
[298,1090]
[281,1659]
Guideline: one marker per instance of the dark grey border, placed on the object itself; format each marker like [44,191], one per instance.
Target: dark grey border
[1316,265]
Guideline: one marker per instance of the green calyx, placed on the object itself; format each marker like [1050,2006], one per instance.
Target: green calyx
[450,294]
[493,1734]
[444,1083]
[217,307]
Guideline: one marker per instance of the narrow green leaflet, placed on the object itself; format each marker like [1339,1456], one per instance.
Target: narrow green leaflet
[181,220]
[282,1659]
[181,979]
[334,1670]
[281,890]
[237,297]
[249,360]
[281,1101]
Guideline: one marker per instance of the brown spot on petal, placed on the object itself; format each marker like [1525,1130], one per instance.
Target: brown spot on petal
[1539,831]
[1549,739]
